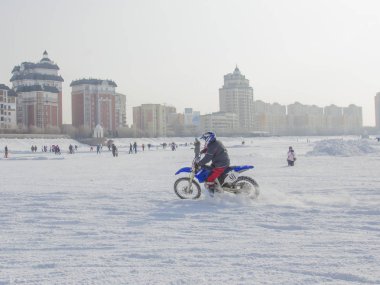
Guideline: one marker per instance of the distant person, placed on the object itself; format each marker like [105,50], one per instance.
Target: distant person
[130,148]
[6,152]
[143,146]
[114,150]
[135,147]
[291,156]
[197,147]
[98,149]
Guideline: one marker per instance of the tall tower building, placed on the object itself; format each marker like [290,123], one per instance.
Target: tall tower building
[236,96]
[377,110]
[93,103]
[39,89]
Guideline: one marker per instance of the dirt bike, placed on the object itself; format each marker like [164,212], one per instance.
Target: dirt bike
[230,181]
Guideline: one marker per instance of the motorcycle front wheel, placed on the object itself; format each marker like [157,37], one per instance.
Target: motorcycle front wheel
[247,186]
[186,189]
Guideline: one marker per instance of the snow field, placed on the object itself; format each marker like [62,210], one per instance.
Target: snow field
[94,219]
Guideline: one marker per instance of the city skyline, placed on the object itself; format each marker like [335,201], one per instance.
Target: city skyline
[162,55]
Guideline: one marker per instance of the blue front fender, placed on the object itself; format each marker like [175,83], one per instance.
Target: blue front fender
[184,169]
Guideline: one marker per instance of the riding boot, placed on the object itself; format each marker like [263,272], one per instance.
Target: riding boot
[210,186]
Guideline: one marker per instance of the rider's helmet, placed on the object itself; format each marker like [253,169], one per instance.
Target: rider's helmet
[208,137]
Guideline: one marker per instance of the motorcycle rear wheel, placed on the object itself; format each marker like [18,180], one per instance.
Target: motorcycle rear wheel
[181,188]
[246,186]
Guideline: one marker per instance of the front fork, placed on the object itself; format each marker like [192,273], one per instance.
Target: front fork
[191,178]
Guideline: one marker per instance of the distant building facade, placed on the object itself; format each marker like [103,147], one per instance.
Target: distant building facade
[299,119]
[7,108]
[39,90]
[304,119]
[270,118]
[121,110]
[150,120]
[223,123]
[191,117]
[236,96]
[93,103]
[377,110]
[333,116]
[352,119]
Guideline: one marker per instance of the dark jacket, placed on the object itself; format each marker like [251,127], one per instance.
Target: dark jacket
[217,154]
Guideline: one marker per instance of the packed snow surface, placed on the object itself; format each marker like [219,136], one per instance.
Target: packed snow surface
[88,218]
[341,147]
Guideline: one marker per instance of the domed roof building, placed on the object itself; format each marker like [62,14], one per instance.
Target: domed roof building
[39,89]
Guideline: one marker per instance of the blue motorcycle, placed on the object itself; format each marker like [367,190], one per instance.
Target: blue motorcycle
[230,181]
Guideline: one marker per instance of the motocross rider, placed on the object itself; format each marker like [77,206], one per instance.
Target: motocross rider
[215,152]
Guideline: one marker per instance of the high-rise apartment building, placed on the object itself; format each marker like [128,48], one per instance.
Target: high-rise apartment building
[222,123]
[93,103]
[269,118]
[191,117]
[236,96]
[121,110]
[7,108]
[333,120]
[150,120]
[377,110]
[352,119]
[39,89]
[305,119]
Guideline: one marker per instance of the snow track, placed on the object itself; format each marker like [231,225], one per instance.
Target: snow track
[95,219]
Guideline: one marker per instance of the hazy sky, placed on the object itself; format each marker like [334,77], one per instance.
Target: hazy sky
[176,52]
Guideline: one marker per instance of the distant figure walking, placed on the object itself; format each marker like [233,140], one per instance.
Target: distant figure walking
[197,147]
[98,149]
[143,146]
[6,152]
[130,148]
[114,150]
[291,157]
[135,147]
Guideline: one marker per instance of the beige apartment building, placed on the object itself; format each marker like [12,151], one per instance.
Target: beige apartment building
[121,110]
[7,108]
[236,96]
[150,120]
[222,123]
[270,118]
[352,119]
[304,119]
